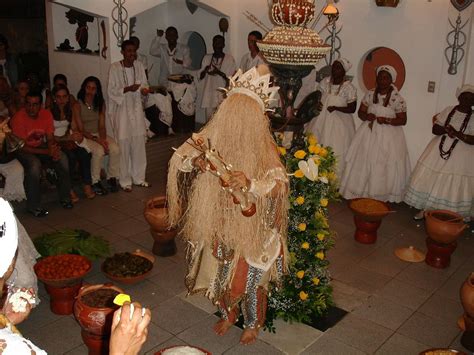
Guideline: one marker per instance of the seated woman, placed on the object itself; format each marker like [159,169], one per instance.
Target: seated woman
[90,111]
[10,168]
[377,162]
[443,177]
[67,131]
[334,126]
[58,79]
[19,97]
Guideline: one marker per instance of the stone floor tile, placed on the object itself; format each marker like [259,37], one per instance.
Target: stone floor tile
[347,297]
[423,276]
[360,333]
[442,308]
[328,344]
[130,207]
[290,338]
[41,316]
[363,279]
[108,235]
[156,335]
[202,335]
[384,261]
[80,350]
[383,312]
[105,216]
[257,348]
[175,315]
[57,338]
[147,293]
[168,343]
[128,227]
[450,288]
[58,216]
[199,301]
[400,344]
[428,330]
[404,294]
[144,239]
[171,278]
[124,245]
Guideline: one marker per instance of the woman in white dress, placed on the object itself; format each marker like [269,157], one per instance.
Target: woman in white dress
[334,126]
[444,175]
[377,162]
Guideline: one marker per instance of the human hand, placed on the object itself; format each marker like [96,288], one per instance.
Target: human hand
[178,61]
[132,88]
[144,91]
[76,136]
[319,106]
[239,181]
[55,151]
[332,108]
[18,317]
[451,132]
[104,144]
[200,163]
[129,333]
[371,117]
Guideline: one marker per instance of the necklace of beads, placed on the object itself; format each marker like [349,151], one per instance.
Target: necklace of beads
[125,79]
[445,154]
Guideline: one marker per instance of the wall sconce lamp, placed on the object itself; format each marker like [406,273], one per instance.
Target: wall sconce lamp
[332,13]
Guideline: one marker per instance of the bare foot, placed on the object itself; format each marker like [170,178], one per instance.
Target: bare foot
[222,326]
[249,336]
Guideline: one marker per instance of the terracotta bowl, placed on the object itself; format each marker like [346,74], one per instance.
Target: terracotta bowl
[369,217]
[444,226]
[441,352]
[179,346]
[61,283]
[132,279]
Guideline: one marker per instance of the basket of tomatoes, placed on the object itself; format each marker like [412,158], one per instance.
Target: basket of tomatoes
[62,270]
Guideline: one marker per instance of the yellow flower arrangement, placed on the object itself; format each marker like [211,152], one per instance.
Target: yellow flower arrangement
[282,150]
[332,176]
[312,149]
[317,160]
[305,245]
[312,140]
[323,152]
[300,154]
[299,200]
[320,255]
[324,202]
[321,236]
[299,174]
[303,296]
[302,227]
[300,274]
[316,281]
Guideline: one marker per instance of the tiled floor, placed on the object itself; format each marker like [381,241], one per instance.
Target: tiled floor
[394,307]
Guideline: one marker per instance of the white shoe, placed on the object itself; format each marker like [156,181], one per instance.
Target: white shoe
[149,134]
[170,131]
[419,216]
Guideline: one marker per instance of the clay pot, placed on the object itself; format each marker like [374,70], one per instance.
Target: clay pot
[96,323]
[444,226]
[156,214]
[62,298]
[467,295]
[387,3]
[292,12]
[366,231]
[439,254]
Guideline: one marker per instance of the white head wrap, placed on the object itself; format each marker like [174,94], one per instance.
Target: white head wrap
[465,88]
[8,236]
[345,63]
[389,69]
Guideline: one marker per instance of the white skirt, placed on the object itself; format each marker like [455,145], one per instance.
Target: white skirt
[377,163]
[13,189]
[443,184]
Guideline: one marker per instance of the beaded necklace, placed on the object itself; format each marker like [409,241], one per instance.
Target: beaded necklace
[124,73]
[445,154]
[217,62]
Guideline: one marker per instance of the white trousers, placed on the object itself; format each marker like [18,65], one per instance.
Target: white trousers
[13,173]
[97,151]
[132,160]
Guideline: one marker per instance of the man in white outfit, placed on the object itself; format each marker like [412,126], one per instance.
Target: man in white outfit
[253,57]
[174,56]
[127,86]
[216,68]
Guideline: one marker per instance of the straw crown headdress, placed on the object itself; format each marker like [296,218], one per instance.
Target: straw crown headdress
[252,84]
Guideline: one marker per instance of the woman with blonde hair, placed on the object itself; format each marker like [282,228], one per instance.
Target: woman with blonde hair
[231,257]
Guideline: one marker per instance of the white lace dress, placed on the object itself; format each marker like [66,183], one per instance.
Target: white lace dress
[335,129]
[377,162]
[445,184]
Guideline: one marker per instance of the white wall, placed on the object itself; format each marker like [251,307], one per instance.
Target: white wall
[416,29]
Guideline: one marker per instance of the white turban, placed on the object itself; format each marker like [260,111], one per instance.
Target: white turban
[8,236]
[345,63]
[389,69]
[465,88]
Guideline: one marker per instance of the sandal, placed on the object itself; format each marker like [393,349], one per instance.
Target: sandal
[89,192]
[127,188]
[73,196]
[39,212]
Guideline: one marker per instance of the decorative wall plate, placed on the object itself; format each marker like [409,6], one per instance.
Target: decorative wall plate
[461,4]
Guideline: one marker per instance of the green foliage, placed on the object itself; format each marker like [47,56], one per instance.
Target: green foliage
[72,241]
[306,292]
